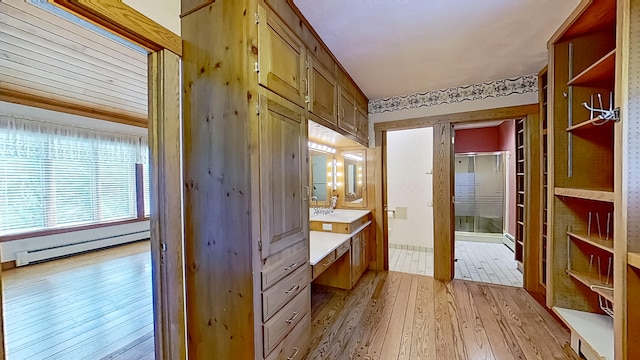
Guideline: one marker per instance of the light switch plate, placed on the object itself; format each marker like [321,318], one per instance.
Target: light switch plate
[327,227]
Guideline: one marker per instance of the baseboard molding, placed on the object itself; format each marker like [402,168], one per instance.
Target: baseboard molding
[9,265]
[411,247]
[479,237]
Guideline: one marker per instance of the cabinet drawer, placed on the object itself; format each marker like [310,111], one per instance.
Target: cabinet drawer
[323,264]
[285,320]
[272,274]
[343,249]
[356,224]
[279,294]
[294,346]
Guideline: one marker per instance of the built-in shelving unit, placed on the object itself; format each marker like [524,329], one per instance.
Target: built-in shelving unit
[582,196]
[543,84]
[595,123]
[633,259]
[598,73]
[520,188]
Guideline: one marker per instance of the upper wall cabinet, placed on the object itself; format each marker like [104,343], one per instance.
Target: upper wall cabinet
[323,91]
[362,124]
[346,111]
[281,59]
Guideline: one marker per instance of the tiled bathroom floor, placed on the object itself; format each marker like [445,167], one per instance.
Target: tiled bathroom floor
[486,262]
[482,262]
[411,261]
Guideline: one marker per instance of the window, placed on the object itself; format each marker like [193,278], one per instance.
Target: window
[61,176]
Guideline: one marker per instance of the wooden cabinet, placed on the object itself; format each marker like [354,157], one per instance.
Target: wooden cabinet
[362,124]
[358,256]
[283,149]
[346,111]
[281,59]
[322,92]
[246,176]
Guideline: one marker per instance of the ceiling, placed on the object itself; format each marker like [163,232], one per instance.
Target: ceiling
[400,47]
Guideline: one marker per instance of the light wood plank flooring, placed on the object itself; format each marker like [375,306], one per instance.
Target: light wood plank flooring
[91,306]
[392,315]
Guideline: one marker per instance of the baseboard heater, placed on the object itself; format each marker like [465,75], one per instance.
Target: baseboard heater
[510,241]
[33,256]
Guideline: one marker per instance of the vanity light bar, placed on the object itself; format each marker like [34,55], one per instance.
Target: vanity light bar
[319,147]
[353,157]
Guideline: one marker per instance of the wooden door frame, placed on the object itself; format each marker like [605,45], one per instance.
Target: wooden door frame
[442,175]
[164,124]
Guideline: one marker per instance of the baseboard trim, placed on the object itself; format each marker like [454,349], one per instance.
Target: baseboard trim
[410,247]
[9,265]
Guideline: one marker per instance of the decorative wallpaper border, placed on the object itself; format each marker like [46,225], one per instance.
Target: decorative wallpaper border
[520,85]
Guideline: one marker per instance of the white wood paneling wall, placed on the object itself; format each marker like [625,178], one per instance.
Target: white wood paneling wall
[47,56]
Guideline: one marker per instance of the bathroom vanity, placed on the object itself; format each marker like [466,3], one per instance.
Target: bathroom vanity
[338,247]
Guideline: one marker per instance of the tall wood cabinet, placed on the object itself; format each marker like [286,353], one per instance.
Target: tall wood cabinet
[252,79]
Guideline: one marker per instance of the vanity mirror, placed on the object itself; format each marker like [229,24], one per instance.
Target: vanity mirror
[321,173]
[354,173]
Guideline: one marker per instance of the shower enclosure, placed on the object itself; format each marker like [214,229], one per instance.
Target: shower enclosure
[480,183]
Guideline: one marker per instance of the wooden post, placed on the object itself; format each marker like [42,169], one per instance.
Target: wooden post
[381,233]
[166,205]
[533,204]
[443,189]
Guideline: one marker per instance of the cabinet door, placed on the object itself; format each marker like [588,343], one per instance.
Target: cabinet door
[362,122]
[356,257]
[347,112]
[281,59]
[283,179]
[323,92]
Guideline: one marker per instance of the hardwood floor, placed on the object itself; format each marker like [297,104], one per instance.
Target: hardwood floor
[392,315]
[92,306]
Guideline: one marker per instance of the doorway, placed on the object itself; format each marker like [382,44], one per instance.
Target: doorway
[485,211]
[409,159]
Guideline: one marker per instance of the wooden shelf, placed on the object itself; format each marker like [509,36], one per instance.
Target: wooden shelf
[602,71]
[606,245]
[589,124]
[594,329]
[588,281]
[597,195]
[633,259]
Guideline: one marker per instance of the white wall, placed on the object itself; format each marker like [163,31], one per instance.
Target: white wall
[409,179]
[164,12]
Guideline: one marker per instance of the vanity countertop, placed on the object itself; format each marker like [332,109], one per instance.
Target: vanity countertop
[340,216]
[322,243]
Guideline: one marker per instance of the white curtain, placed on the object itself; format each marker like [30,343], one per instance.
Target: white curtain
[59,176]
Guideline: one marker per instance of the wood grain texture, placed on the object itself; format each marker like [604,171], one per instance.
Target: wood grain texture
[533,202]
[219,232]
[506,113]
[392,315]
[125,21]
[94,305]
[442,202]
[380,212]
[166,204]
[49,62]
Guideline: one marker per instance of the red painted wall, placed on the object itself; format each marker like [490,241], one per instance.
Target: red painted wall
[497,138]
[477,140]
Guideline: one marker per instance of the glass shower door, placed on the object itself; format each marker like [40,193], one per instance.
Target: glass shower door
[480,192]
